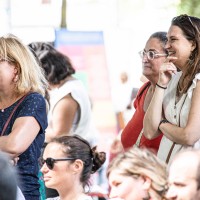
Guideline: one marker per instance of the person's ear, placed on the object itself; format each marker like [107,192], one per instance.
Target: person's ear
[147,183]
[78,166]
[16,76]
[193,45]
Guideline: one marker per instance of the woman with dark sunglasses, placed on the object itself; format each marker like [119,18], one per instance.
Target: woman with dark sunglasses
[175,107]
[67,163]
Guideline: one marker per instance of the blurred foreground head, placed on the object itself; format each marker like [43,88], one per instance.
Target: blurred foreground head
[8,179]
[137,175]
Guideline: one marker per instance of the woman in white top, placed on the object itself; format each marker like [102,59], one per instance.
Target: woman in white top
[70,106]
[175,107]
[67,163]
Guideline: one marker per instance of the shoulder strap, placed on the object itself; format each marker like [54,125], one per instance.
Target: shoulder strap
[11,114]
[170,152]
[173,145]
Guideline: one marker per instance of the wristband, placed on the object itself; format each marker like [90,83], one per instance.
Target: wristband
[163,121]
[161,86]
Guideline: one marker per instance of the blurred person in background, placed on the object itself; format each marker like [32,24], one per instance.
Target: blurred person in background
[132,98]
[137,174]
[67,163]
[184,175]
[22,105]
[153,55]
[121,99]
[70,105]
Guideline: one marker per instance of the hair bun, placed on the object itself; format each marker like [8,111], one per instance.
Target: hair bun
[98,159]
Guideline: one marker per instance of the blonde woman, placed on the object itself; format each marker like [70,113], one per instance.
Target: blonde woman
[23,117]
[137,175]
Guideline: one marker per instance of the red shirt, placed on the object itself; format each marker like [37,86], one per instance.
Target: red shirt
[133,128]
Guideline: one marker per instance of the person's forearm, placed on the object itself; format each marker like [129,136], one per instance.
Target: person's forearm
[177,134]
[7,147]
[153,114]
[50,133]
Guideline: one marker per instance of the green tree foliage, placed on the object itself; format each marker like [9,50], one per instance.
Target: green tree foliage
[190,7]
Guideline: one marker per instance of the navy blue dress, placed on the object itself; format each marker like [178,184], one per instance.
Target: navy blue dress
[33,105]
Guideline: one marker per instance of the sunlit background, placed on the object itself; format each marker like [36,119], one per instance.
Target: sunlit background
[126,25]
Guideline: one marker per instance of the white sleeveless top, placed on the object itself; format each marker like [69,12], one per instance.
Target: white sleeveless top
[176,114]
[82,124]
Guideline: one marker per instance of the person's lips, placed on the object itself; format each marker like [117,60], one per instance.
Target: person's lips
[46,178]
[170,53]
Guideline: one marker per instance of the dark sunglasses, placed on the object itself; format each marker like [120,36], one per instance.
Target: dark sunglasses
[50,161]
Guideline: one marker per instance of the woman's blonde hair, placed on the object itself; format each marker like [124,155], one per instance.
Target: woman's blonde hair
[141,162]
[30,74]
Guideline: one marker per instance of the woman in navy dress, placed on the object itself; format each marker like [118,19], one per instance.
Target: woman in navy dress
[22,78]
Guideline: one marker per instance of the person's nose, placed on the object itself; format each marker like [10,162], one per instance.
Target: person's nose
[144,58]
[44,168]
[171,193]
[167,45]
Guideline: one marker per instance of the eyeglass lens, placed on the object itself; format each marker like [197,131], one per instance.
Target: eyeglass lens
[150,54]
[49,162]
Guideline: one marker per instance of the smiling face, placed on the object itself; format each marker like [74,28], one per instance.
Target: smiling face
[151,67]
[179,46]
[125,187]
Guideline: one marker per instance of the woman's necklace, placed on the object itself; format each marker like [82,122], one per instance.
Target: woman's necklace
[2,109]
[179,92]
[9,104]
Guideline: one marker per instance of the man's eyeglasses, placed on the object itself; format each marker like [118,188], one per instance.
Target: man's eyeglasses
[50,161]
[151,54]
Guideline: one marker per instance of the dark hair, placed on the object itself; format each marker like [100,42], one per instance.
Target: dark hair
[8,179]
[162,37]
[79,148]
[191,29]
[198,176]
[56,65]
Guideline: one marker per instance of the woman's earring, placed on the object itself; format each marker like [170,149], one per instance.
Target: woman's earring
[16,78]
[191,58]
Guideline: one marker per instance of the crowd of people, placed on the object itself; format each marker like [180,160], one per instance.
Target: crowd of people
[46,124]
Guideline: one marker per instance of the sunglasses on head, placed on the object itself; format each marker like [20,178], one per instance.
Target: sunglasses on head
[182,18]
[50,161]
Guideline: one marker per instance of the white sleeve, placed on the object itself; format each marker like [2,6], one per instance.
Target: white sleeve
[20,196]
